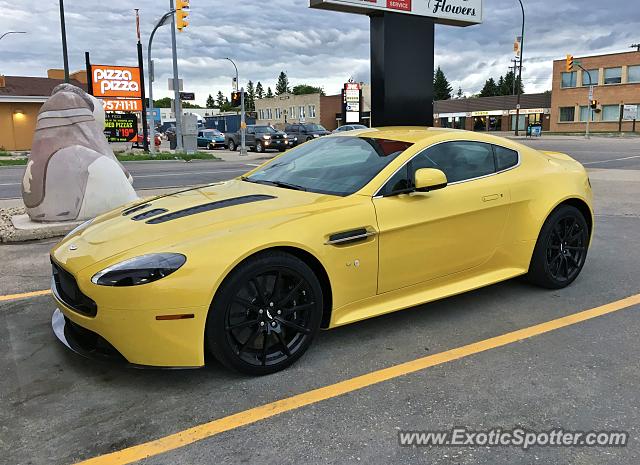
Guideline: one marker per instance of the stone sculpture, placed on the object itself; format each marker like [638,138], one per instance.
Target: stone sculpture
[72,173]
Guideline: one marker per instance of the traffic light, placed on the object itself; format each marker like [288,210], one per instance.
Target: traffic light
[569,65]
[182,12]
[236,98]
[594,104]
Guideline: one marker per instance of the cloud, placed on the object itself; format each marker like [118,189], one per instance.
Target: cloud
[317,47]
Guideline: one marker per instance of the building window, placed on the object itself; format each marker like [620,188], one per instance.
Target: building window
[567,114]
[594,77]
[260,113]
[613,75]
[292,112]
[584,111]
[301,111]
[634,74]
[312,111]
[610,112]
[569,79]
[278,113]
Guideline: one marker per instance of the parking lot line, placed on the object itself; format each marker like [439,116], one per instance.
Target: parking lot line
[24,295]
[253,415]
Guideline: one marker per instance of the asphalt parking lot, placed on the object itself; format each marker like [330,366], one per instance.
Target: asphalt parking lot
[58,408]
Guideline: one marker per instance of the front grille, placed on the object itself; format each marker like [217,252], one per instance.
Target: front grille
[67,290]
[89,343]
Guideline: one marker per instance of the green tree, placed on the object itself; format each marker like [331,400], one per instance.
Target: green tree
[250,97]
[304,89]
[490,88]
[508,84]
[190,105]
[441,87]
[269,93]
[220,99]
[162,103]
[459,94]
[282,86]
[259,90]
[211,103]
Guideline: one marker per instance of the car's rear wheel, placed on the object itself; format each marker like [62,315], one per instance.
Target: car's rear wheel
[259,147]
[561,249]
[265,314]
[232,145]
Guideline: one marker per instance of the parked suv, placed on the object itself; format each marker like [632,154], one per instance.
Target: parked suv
[302,132]
[259,138]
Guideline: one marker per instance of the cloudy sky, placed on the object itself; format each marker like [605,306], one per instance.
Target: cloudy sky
[315,47]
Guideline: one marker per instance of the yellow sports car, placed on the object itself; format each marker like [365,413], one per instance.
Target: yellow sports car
[337,230]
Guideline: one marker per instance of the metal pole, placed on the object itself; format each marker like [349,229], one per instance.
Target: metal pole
[589,110]
[63,28]
[243,146]
[176,82]
[519,83]
[11,32]
[145,132]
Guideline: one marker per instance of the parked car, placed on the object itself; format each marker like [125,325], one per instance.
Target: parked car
[250,269]
[259,138]
[303,132]
[210,138]
[350,127]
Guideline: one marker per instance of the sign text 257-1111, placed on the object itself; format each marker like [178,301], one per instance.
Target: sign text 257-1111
[120,127]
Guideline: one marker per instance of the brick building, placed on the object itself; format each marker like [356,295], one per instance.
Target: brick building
[616,80]
[493,113]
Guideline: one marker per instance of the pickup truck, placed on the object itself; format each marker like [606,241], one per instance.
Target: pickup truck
[259,138]
[303,132]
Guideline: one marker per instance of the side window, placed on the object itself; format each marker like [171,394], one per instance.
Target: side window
[505,158]
[251,130]
[459,160]
[200,134]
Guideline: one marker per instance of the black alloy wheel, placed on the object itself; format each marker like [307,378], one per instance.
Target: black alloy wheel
[561,250]
[265,314]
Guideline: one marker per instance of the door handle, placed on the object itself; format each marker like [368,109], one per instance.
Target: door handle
[489,198]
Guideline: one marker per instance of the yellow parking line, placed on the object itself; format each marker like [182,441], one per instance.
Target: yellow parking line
[24,295]
[212,428]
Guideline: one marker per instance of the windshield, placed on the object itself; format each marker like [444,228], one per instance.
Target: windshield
[212,132]
[314,127]
[268,129]
[330,165]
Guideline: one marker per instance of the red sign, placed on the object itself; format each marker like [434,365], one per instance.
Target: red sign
[403,5]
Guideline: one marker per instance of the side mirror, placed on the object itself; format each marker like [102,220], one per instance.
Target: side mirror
[429,179]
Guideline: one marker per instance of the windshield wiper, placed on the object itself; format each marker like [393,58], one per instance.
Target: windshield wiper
[282,184]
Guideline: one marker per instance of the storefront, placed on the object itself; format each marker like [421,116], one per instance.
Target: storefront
[453,120]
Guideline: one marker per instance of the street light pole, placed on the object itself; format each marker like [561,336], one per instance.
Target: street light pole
[152,125]
[589,110]
[519,83]
[243,123]
[11,32]
[177,104]
[65,56]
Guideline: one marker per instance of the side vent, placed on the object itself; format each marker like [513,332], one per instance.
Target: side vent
[149,213]
[208,207]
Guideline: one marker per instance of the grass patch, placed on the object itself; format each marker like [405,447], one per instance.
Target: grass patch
[129,156]
[12,161]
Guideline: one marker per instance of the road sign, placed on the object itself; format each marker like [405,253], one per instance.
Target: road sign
[187,96]
[120,127]
[590,92]
[630,112]
[452,12]
[179,84]
[234,84]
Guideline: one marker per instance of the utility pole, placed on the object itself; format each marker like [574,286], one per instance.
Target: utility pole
[520,71]
[63,28]
[513,69]
[177,104]
[636,46]
[145,132]
[589,109]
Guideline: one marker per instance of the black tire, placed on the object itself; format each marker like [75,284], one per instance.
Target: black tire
[232,145]
[309,138]
[259,147]
[246,331]
[561,249]
[211,147]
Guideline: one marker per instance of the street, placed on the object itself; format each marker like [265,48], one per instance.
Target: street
[578,375]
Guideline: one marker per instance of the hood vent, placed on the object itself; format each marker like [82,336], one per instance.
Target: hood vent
[208,207]
[135,208]
[149,213]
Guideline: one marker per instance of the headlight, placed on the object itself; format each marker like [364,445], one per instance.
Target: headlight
[285,135]
[139,270]
[79,228]
[266,137]
[316,135]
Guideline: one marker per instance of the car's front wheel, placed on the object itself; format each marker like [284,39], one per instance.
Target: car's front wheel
[232,145]
[259,147]
[561,249]
[211,147]
[265,314]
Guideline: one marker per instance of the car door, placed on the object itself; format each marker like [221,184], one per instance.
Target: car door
[250,136]
[201,140]
[424,236]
